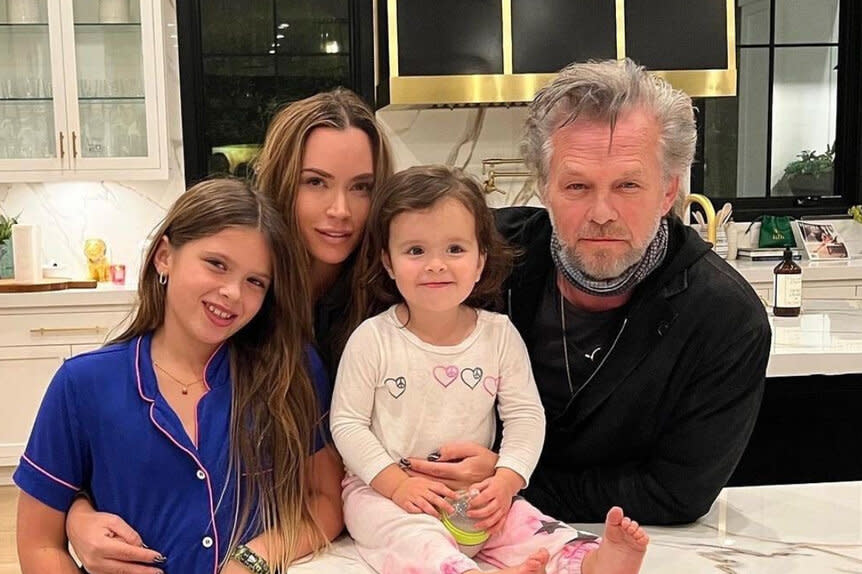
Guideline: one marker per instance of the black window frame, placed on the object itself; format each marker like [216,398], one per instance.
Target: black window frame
[192,75]
[847,168]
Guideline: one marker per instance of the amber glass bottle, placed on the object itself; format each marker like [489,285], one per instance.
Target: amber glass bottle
[787,287]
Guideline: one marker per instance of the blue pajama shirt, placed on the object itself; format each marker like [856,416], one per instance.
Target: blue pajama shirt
[105,428]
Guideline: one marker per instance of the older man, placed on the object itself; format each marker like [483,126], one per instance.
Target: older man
[649,351]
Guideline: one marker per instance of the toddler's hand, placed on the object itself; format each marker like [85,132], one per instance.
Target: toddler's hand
[418,494]
[493,502]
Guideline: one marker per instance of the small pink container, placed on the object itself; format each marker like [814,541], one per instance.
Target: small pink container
[118,274]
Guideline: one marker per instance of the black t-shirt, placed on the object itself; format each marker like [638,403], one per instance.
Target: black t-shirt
[588,335]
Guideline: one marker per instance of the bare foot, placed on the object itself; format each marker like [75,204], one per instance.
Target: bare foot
[622,548]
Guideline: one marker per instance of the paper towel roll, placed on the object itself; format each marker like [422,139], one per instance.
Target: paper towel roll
[27,252]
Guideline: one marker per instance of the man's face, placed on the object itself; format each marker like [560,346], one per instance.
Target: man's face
[606,199]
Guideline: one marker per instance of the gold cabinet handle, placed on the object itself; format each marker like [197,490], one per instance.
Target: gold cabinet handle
[74,144]
[62,146]
[67,330]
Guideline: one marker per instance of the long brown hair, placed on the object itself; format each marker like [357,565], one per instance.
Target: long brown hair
[419,188]
[278,166]
[274,408]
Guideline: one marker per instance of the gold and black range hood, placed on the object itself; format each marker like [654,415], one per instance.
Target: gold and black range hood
[456,53]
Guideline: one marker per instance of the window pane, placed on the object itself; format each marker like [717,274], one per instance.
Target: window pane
[804,103]
[753,94]
[734,132]
[259,55]
[801,21]
[719,117]
[752,21]
[231,27]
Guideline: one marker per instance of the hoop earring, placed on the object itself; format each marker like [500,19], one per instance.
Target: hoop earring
[163,279]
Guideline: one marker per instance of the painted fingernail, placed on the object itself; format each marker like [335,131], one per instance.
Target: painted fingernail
[405,463]
[434,456]
[160,559]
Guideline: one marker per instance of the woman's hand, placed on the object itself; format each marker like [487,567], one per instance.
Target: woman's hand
[106,544]
[459,465]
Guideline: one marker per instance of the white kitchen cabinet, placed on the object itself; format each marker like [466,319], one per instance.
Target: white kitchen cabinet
[82,91]
[24,375]
[38,331]
[835,280]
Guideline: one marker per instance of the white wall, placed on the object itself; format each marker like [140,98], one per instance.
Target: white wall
[121,213]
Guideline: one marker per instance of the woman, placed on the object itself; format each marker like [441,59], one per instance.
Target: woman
[321,160]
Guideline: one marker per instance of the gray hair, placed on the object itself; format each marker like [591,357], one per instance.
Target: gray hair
[602,91]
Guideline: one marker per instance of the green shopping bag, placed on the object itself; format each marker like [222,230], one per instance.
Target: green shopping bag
[776,231]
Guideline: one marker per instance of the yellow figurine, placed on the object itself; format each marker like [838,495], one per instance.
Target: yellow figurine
[97,262]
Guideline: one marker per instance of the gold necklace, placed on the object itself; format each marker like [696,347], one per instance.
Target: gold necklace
[185,386]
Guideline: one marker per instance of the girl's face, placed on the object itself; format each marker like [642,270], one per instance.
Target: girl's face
[216,284]
[334,193]
[434,256]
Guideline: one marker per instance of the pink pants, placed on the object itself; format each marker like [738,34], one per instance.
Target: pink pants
[393,541]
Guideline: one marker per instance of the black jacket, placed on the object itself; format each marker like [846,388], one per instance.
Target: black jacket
[663,423]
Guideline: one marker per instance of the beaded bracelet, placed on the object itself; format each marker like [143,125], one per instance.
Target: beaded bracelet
[250,560]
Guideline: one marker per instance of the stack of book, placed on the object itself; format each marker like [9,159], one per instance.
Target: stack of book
[766,253]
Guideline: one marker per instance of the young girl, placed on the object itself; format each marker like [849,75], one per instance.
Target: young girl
[430,369]
[321,161]
[199,424]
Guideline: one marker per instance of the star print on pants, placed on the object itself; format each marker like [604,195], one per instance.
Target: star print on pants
[550,526]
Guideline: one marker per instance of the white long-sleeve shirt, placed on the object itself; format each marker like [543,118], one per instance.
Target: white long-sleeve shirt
[397,396]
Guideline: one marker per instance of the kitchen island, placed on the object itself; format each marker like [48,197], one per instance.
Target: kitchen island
[805,528]
[826,339]
[807,429]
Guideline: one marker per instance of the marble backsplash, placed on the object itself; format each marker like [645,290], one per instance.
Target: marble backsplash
[462,137]
[121,213]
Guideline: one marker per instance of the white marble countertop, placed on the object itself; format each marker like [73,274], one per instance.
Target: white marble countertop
[826,339]
[761,271]
[804,528]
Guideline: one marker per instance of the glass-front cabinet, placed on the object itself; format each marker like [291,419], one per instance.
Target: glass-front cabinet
[81,90]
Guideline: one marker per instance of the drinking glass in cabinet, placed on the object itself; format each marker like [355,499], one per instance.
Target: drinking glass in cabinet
[113,128]
[26,130]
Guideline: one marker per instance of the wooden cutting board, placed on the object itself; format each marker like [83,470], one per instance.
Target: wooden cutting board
[53,284]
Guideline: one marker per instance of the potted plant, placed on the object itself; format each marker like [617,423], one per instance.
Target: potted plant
[811,174]
[7,271]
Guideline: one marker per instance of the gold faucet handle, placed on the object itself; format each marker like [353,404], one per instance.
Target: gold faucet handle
[709,210]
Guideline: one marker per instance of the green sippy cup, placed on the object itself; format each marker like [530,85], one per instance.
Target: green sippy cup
[463,528]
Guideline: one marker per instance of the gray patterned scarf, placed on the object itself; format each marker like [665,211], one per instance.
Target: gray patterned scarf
[626,281]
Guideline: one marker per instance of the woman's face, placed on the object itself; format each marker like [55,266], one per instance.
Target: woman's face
[334,193]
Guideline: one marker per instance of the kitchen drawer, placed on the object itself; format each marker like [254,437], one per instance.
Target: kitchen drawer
[828,291]
[84,328]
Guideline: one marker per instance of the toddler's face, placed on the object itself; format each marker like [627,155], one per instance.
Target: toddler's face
[434,256]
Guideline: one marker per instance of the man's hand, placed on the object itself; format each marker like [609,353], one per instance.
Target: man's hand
[418,494]
[458,465]
[106,544]
[492,504]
